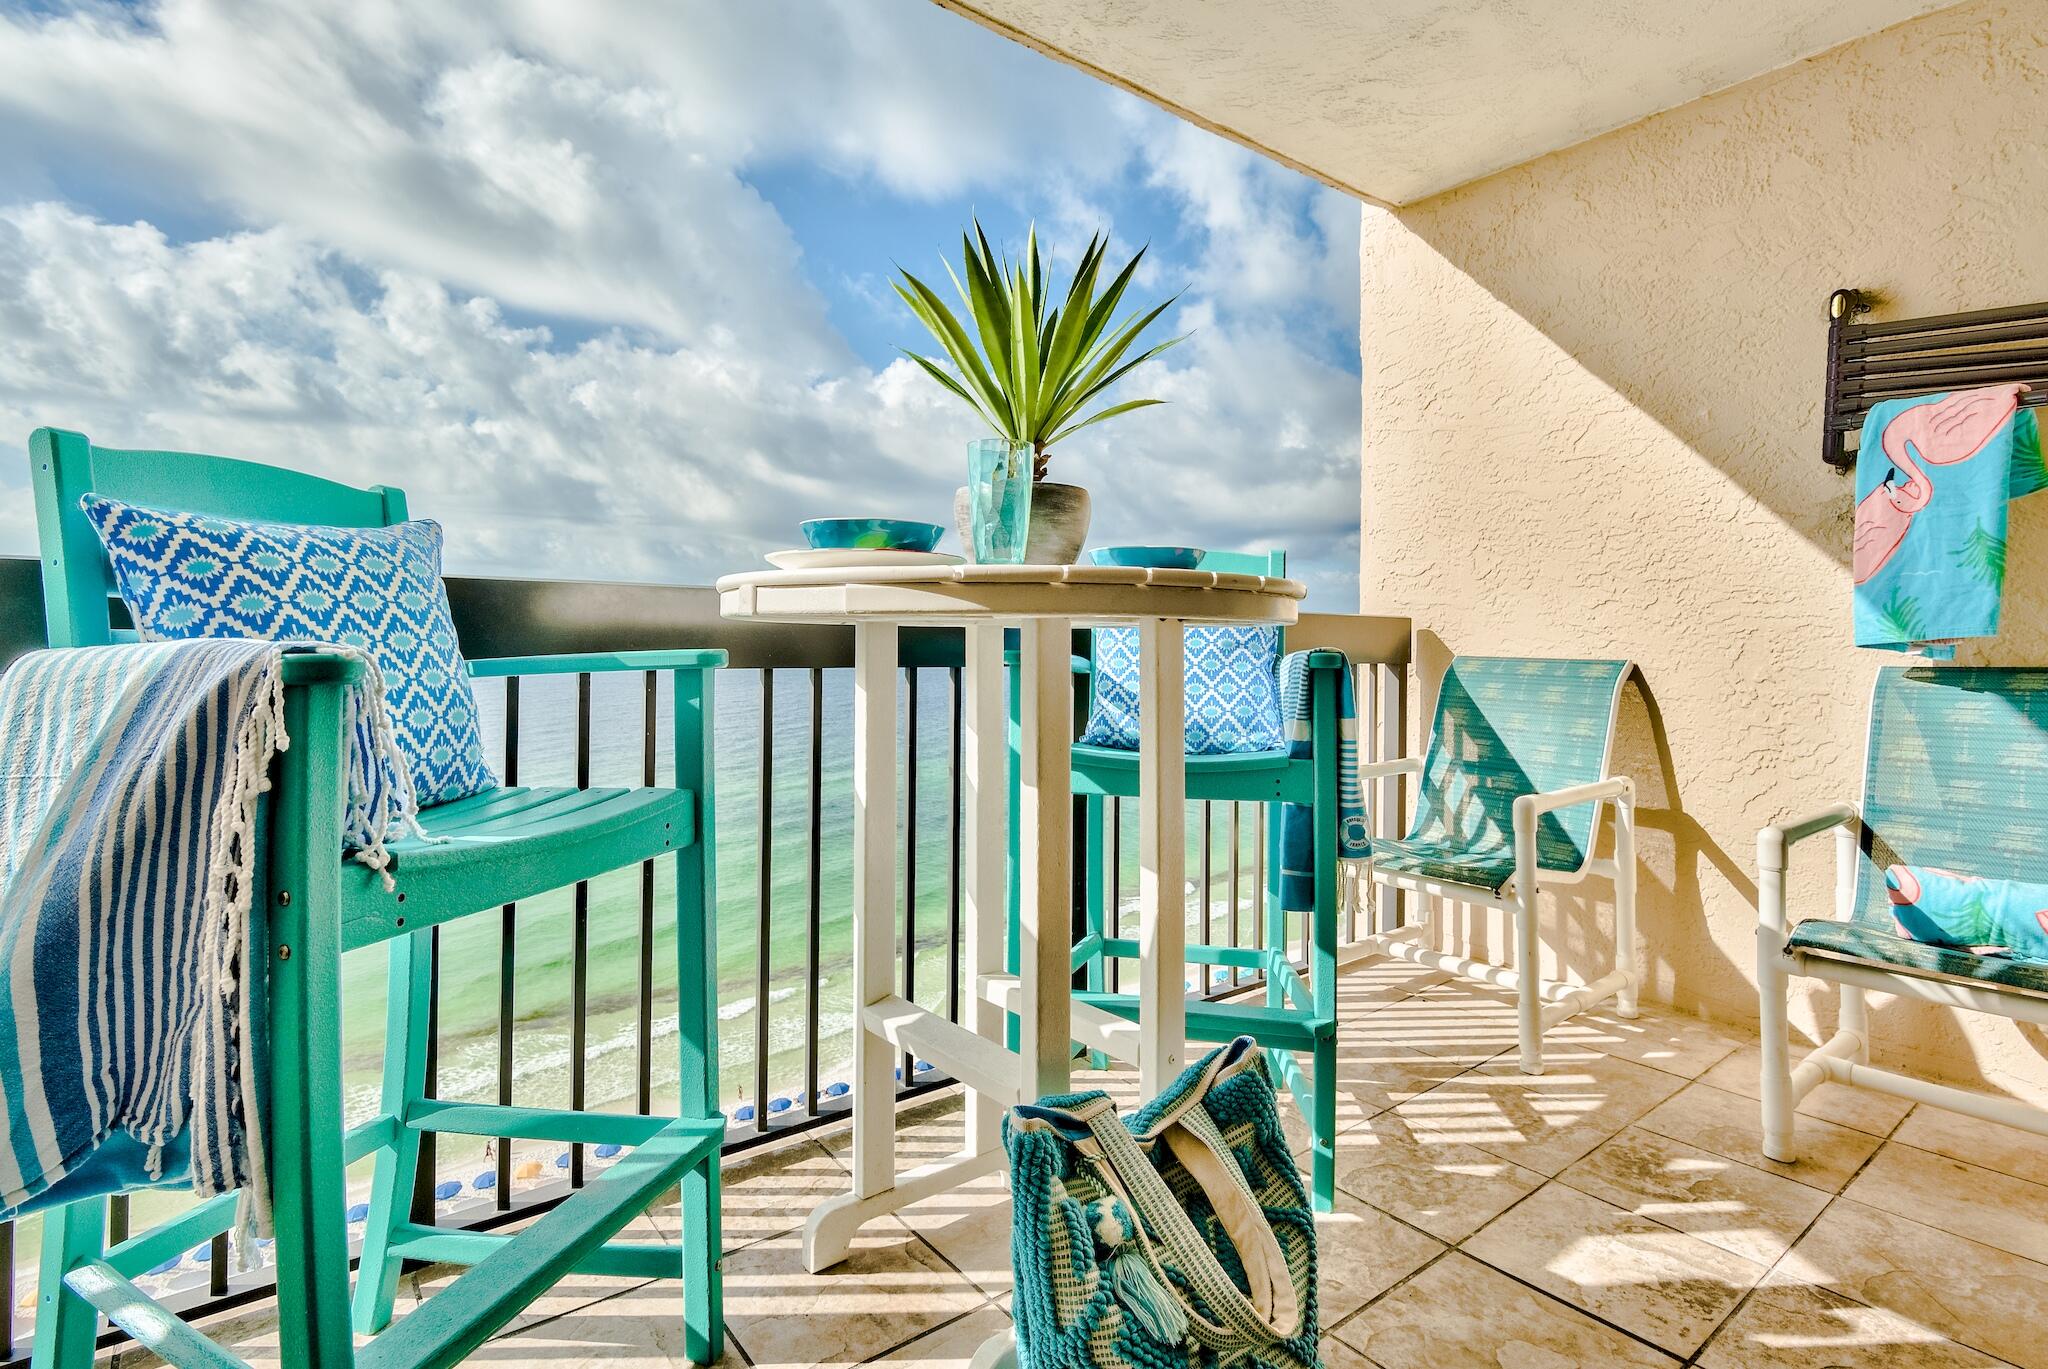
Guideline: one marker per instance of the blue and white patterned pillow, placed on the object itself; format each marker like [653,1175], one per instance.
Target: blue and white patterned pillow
[186,575]
[1233,691]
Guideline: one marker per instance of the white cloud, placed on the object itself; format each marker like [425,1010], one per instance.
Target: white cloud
[403,178]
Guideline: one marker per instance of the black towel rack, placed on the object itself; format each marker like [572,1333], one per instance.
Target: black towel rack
[1870,362]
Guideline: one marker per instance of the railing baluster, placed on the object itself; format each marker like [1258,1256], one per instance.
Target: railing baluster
[1116,887]
[909,1074]
[508,960]
[1236,893]
[764,889]
[217,1266]
[1207,973]
[956,732]
[579,971]
[427,1174]
[117,1219]
[650,707]
[815,913]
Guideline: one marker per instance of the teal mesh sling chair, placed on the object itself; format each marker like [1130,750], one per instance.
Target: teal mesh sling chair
[1299,1015]
[486,850]
[1955,786]
[1509,797]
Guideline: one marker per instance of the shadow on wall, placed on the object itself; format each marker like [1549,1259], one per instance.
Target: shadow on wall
[1675,855]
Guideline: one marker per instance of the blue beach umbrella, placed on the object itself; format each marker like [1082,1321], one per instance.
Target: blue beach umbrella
[359,1213]
[562,1160]
[779,1105]
[447,1189]
[838,1090]
[607,1150]
[743,1113]
[486,1180]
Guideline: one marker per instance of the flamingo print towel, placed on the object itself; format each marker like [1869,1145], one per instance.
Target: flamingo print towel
[1944,908]
[1933,477]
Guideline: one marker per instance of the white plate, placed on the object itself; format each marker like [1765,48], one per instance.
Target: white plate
[847,558]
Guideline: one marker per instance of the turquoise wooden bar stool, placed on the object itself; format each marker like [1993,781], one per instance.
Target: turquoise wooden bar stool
[1299,1016]
[487,850]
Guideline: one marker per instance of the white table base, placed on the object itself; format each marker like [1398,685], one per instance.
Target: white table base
[974,1052]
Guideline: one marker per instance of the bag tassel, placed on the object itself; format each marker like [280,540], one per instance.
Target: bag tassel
[1137,1289]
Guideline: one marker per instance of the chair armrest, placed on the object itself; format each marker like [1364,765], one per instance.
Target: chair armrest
[320,667]
[598,663]
[1614,787]
[1772,844]
[1322,659]
[1774,841]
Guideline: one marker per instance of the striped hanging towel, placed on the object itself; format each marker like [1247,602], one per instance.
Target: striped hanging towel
[1297,820]
[129,778]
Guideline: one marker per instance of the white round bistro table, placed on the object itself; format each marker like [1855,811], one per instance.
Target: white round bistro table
[1044,602]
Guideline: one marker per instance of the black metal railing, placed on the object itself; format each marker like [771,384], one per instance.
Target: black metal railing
[798,674]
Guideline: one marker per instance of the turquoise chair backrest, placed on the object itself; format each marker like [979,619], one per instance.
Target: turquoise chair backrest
[1509,726]
[1955,776]
[65,466]
[1247,563]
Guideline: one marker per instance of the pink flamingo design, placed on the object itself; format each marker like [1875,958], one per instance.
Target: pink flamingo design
[1941,433]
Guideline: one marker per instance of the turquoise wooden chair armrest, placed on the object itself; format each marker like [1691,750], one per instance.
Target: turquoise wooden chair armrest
[320,667]
[598,662]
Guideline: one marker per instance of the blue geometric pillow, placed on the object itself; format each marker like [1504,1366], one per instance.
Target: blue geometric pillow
[186,575]
[1233,691]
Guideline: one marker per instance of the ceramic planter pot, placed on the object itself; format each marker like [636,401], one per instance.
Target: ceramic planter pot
[1059,523]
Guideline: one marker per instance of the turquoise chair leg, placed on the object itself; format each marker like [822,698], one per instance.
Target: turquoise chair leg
[408,1010]
[67,1325]
[1322,938]
[697,1018]
[304,893]
[1323,1156]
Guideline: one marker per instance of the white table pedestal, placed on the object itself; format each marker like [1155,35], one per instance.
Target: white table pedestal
[1045,602]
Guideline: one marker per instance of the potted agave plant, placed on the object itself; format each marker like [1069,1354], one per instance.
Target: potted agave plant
[1029,368]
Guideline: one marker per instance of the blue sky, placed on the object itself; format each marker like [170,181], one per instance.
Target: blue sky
[605,286]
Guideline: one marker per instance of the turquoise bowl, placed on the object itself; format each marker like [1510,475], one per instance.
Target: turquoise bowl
[1148,558]
[871,534]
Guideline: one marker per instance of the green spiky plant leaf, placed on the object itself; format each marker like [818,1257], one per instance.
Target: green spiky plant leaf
[1028,370]
[1983,555]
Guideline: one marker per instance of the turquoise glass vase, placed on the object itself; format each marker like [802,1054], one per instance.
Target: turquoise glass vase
[999,500]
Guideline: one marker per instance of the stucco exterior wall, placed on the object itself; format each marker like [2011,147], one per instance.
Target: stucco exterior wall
[1592,402]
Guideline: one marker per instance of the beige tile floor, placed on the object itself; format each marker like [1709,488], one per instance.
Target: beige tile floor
[1614,1211]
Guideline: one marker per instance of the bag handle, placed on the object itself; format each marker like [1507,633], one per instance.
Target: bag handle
[1273,1311]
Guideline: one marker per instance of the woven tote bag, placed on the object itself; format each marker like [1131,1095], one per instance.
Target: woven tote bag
[1183,1238]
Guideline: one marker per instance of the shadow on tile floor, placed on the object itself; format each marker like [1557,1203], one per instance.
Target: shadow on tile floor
[1614,1211]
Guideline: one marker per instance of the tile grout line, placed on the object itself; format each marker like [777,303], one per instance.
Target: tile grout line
[1790,1246]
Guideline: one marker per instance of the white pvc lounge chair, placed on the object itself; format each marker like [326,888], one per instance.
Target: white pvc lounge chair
[1955,778]
[1509,800]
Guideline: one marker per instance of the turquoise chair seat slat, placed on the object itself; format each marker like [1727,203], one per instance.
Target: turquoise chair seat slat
[1506,727]
[509,844]
[1490,868]
[1860,941]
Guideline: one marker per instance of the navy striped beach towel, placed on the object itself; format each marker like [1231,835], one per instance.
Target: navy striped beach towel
[129,782]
